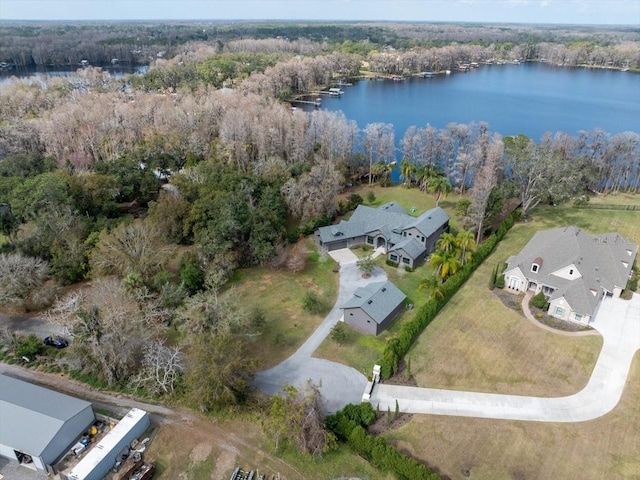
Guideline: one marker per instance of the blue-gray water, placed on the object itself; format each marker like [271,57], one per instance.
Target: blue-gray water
[528,98]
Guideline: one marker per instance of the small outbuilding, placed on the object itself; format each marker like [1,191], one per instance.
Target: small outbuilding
[373,307]
[38,426]
[113,449]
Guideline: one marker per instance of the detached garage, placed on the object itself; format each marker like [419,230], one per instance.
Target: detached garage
[37,425]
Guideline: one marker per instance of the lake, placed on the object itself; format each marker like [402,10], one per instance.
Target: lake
[66,70]
[529,98]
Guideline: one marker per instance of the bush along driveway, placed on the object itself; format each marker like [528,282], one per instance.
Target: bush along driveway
[618,321]
[339,384]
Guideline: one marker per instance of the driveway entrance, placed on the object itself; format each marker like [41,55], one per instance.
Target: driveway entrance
[343,256]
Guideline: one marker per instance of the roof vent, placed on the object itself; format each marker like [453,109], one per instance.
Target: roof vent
[370,302]
[384,289]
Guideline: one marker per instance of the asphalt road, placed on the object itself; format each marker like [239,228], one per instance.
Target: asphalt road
[339,384]
[25,325]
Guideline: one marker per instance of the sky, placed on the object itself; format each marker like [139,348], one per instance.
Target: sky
[612,12]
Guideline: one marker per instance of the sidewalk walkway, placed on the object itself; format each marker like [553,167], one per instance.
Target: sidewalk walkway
[532,319]
[618,321]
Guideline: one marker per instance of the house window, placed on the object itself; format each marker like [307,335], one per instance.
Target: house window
[534,267]
[578,317]
[369,240]
[559,311]
[405,260]
[393,258]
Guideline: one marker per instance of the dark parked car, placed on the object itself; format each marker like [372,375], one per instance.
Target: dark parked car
[57,342]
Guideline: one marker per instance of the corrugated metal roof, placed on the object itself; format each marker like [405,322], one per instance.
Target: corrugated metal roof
[106,446]
[31,416]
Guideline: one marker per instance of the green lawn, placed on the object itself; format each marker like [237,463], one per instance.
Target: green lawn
[279,293]
[476,343]
[362,351]
[406,198]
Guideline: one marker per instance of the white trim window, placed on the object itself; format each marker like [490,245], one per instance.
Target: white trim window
[559,311]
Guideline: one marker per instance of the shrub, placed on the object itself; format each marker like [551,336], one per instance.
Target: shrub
[391,263]
[28,346]
[492,279]
[312,303]
[407,268]
[191,273]
[371,197]
[539,301]
[398,346]
[633,284]
[339,333]
[354,201]
[500,282]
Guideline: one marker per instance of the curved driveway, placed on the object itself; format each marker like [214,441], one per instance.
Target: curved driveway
[618,321]
[340,384]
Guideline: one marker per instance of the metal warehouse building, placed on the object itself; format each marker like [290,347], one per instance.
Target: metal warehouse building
[37,425]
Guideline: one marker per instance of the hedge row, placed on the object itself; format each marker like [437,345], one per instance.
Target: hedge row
[397,347]
[348,425]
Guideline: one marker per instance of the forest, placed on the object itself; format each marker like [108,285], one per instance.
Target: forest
[202,159]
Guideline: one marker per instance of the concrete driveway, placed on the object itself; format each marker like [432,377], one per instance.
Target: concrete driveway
[340,384]
[618,321]
[343,256]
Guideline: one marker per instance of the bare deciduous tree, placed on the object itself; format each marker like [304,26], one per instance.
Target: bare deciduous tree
[313,194]
[19,276]
[136,248]
[160,370]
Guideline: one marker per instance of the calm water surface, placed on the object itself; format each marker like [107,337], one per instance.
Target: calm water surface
[528,98]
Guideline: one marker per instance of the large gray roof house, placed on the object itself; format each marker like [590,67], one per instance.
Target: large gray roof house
[573,269]
[373,307]
[37,425]
[407,239]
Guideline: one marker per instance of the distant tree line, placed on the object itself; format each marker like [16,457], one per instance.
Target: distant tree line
[57,43]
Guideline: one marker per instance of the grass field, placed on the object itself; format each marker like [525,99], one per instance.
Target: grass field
[476,343]
[605,448]
[211,448]
[279,293]
[362,351]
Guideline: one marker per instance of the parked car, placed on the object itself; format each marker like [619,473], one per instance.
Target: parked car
[56,342]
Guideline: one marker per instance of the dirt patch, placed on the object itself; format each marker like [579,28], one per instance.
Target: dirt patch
[383,424]
[200,453]
[225,462]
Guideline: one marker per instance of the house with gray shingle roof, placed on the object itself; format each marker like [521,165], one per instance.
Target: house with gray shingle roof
[373,307]
[407,239]
[573,269]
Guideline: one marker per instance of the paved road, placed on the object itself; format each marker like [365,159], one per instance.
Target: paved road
[25,325]
[618,321]
[339,383]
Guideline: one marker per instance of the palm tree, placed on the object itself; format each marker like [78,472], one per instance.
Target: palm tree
[466,244]
[407,171]
[424,173]
[439,186]
[445,264]
[380,172]
[446,243]
[432,285]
